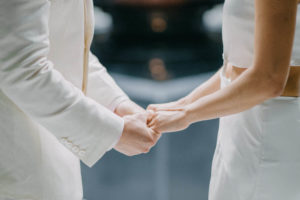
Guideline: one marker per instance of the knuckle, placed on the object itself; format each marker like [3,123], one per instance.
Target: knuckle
[157,136]
[155,127]
[127,154]
[146,150]
[131,154]
[152,142]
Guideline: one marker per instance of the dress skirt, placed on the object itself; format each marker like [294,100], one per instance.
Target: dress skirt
[257,156]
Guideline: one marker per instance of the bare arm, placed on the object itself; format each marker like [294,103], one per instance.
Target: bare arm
[208,87]
[275,27]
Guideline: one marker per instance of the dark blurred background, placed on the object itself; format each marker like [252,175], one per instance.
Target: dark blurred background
[158,51]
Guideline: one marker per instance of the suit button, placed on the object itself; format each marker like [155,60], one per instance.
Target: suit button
[63,140]
[75,149]
[81,153]
[69,144]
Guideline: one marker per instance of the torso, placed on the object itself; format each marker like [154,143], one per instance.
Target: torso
[238,33]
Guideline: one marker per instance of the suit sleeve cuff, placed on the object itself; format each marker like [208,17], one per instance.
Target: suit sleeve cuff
[102,145]
[114,104]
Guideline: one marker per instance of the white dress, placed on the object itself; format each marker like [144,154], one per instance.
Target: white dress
[257,156]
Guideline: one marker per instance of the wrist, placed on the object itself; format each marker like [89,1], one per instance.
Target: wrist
[121,109]
[118,101]
[188,114]
[184,101]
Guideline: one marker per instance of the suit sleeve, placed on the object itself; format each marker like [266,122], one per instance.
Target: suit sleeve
[29,79]
[101,87]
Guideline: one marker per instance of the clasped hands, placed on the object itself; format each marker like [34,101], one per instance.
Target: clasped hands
[143,128]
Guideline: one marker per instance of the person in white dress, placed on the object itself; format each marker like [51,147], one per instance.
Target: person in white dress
[57,101]
[256,96]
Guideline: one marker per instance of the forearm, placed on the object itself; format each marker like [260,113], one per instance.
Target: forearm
[102,87]
[250,89]
[210,86]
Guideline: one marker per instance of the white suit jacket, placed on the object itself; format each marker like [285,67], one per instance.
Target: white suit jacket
[47,124]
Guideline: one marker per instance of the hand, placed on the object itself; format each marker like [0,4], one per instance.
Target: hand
[169,120]
[136,138]
[128,107]
[170,105]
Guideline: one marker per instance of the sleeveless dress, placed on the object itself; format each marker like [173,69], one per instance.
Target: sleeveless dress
[257,156]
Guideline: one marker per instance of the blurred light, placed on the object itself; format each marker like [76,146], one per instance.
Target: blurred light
[103,21]
[158,69]
[158,23]
[212,19]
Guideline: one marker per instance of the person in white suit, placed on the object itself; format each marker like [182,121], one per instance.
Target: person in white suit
[57,101]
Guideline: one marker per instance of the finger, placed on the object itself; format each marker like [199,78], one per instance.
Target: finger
[159,128]
[155,135]
[155,107]
[155,128]
[154,132]
[169,109]
[126,151]
[151,115]
[152,122]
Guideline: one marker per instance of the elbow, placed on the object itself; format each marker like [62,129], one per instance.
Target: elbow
[269,83]
[276,91]
[275,87]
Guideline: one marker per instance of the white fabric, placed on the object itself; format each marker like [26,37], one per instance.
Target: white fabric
[257,156]
[238,33]
[46,123]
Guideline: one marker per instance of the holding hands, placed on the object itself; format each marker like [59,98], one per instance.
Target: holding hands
[142,129]
[137,137]
[168,117]
[168,120]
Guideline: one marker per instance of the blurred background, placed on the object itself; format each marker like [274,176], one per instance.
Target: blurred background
[158,51]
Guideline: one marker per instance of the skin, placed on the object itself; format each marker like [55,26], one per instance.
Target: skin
[128,107]
[264,80]
[210,86]
[137,137]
